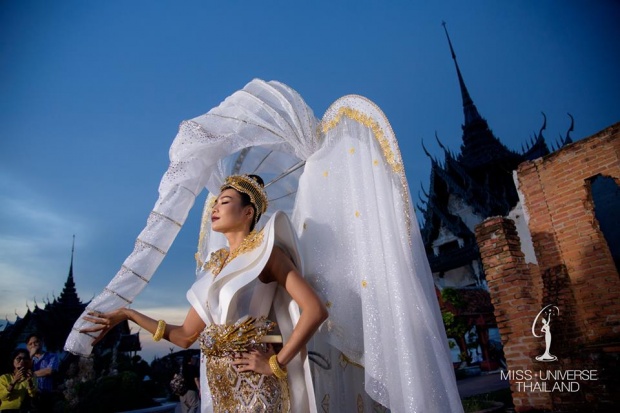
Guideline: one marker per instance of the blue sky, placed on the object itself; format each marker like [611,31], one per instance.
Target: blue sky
[92,93]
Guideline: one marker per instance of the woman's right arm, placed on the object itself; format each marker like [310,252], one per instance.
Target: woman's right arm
[183,336]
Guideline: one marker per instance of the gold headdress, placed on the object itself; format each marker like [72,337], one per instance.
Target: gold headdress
[247,185]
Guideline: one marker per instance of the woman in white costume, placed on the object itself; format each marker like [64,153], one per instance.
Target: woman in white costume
[255,279]
[341,180]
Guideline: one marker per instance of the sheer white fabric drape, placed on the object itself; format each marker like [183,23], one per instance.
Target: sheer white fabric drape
[359,237]
[364,254]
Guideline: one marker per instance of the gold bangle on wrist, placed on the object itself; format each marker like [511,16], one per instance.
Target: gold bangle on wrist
[277,370]
[161,329]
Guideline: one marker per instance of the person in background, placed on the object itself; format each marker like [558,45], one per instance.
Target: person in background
[190,401]
[44,366]
[18,387]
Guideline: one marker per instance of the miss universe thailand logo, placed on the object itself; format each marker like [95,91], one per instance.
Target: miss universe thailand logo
[543,329]
[545,380]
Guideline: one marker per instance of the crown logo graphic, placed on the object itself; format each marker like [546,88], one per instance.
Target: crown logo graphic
[544,330]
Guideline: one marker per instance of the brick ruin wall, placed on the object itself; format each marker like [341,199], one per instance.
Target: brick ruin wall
[574,271]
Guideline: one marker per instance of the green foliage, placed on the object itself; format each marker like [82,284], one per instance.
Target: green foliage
[452,296]
[464,356]
[455,327]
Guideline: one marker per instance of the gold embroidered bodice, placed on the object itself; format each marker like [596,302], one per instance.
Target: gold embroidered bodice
[220,258]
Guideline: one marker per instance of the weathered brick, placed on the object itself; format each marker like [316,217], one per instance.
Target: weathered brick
[575,270]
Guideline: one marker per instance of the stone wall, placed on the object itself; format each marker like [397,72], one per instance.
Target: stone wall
[575,273]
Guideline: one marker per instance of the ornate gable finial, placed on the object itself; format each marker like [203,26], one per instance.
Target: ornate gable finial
[568,139]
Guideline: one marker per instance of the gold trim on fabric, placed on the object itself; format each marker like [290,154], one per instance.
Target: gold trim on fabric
[199,262]
[159,214]
[220,258]
[134,273]
[117,294]
[204,224]
[345,361]
[391,155]
[392,159]
[162,252]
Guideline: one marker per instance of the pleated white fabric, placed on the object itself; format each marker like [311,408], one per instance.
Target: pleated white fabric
[360,240]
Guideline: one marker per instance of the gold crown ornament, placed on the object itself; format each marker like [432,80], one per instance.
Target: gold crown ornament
[247,185]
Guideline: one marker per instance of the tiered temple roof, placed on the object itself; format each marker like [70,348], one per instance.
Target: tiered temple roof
[55,320]
[480,177]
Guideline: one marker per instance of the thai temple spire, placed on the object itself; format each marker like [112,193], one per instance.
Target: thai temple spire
[469,109]
[69,296]
[480,147]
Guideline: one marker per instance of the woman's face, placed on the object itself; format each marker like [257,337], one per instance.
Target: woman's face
[228,214]
[21,361]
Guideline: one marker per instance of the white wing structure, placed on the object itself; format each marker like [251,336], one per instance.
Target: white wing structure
[342,183]
[363,252]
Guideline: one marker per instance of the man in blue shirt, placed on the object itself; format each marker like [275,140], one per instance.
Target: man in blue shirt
[44,366]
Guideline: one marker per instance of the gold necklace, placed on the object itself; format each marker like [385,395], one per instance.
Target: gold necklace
[220,258]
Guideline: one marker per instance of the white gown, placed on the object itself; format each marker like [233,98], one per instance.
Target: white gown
[237,292]
[359,238]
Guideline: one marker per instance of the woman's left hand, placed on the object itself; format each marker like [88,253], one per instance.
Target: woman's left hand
[255,360]
[104,322]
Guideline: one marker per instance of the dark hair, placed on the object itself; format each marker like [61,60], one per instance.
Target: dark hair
[245,199]
[10,366]
[34,335]
[19,351]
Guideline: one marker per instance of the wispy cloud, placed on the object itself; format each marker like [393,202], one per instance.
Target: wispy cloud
[35,241]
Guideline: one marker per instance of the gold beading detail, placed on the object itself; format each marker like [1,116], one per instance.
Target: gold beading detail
[222,340]
[204,225]
[220,258]
[392,157]
[392,160]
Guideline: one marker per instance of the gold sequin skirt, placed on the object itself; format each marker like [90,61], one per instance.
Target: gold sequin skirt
[245,392]
[241,392]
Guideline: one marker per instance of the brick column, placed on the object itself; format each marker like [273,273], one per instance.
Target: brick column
[565,232]
[512,292]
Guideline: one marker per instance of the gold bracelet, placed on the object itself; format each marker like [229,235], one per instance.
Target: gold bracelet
[161,329]
[276,369]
